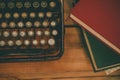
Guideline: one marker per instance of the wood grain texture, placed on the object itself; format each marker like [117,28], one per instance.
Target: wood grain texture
[73,65]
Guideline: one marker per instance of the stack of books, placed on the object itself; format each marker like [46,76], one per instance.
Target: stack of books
[100,22]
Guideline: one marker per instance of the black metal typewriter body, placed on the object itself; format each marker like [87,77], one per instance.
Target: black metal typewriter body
[31,30]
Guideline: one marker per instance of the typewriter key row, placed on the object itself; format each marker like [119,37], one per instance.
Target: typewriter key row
[36,4]
[28,24]
[29,33]
[24,15]
[34,42]
[31,26]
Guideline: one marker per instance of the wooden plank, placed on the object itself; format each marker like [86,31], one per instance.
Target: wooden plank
[67,8]
[60,75]
[98,78]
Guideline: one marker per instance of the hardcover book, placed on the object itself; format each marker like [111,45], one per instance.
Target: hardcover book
[101,56]
[101,18]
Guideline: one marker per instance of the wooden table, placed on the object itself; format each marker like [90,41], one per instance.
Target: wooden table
[73,65]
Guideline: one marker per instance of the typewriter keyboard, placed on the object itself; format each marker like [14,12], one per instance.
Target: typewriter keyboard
[30,26]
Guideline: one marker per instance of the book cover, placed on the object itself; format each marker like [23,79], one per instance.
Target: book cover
[101,56]
[101,18]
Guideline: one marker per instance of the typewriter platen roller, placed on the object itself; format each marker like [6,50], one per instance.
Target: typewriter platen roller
[31,30]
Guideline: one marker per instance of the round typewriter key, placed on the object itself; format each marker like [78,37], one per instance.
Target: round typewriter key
[14,34]
[26,42]
[32,15]
[52,4]
[54,32]
[42,41]
[34,42]
[53,23]
[39,33]
[11,5]
[36,4]
[19,5]
[2,43]
[45,23]
[30,33]
[43,4]
[22,33]
[27,4]
[37,24]
[24,15]
[51,42]
[40,14]
[2,5]
[49,14]
[47,33]
[16,15]
[4,24]
[12,24]
[7,15]
[6,34]
[0,15]
[20,24]
[18,42]
[28,24]
[10,43]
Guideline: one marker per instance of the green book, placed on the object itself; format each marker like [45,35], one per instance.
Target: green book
[101,56]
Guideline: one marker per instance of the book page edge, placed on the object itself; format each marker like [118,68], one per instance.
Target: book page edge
[88,28]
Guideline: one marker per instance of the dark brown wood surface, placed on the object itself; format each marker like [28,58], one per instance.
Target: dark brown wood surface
[73,65]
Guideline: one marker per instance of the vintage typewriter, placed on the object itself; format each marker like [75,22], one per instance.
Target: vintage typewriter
[31,30]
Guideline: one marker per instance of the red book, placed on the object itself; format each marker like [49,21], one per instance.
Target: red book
[101,18]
